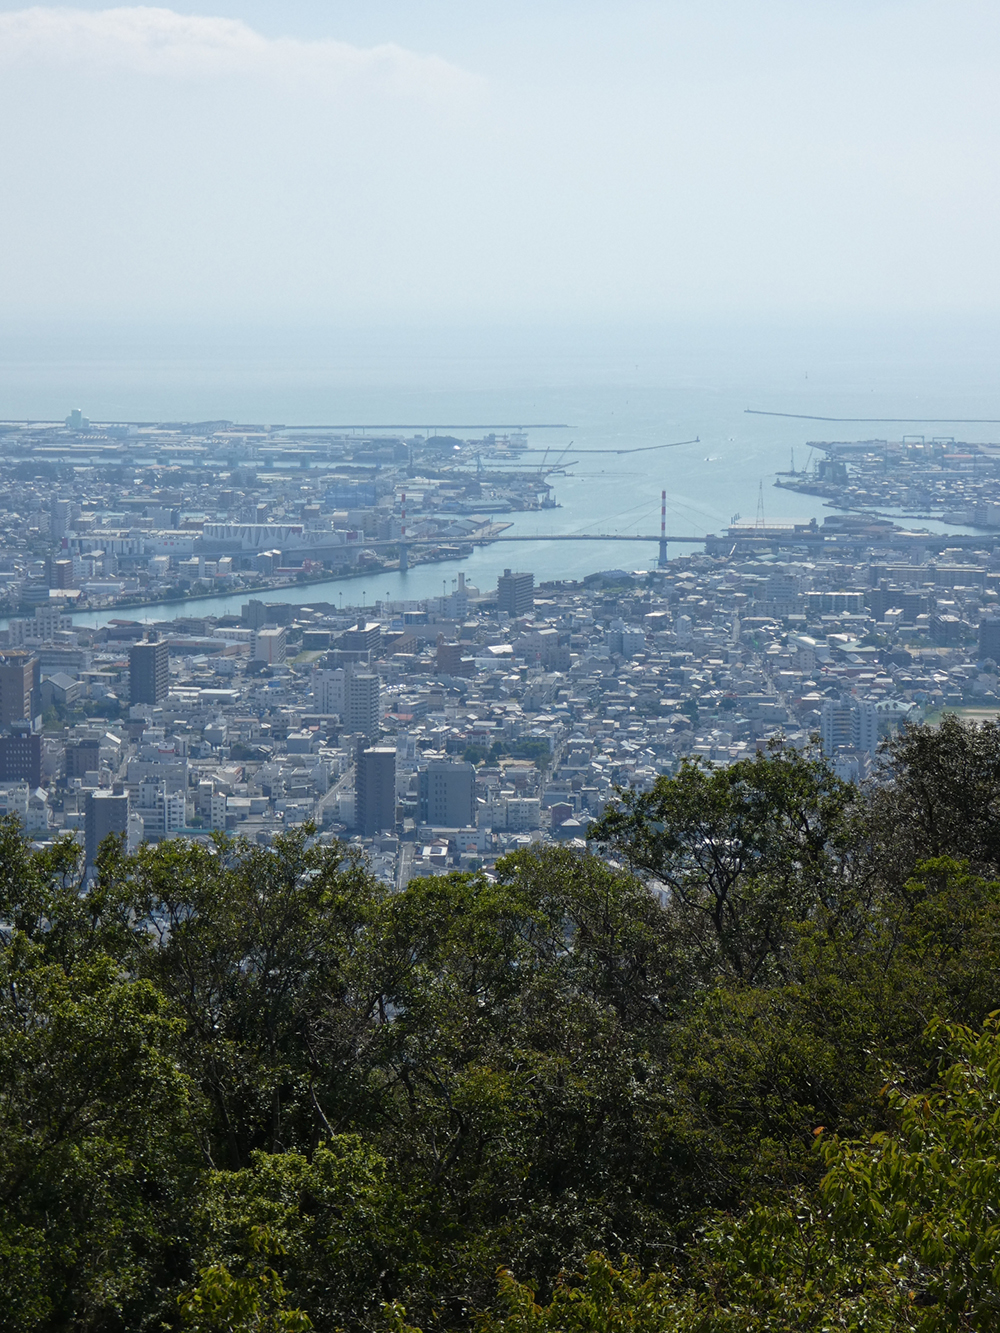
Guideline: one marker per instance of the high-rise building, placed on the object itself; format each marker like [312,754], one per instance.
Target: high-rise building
[849,724]
[105,813]
[375,790]
[269,645]
[254,613]
[363,703]
[49,621]
[448,795]
[19,682]
[454,659]
[865,731]
[329,691]
[60,514]
[61,574]
[515,593]
[836,725]
[149,672]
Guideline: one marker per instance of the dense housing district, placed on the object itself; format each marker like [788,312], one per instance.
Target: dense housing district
[445,732]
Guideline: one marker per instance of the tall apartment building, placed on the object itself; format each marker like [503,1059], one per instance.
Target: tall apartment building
[849,724]
[363,703]
[105,813]
[375,790]
[515,593]
[447,795]
[329,691]
[19,682]
[149,672]
[162,811]
[60,515]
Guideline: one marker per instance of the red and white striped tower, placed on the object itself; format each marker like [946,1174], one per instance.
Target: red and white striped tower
[404,553]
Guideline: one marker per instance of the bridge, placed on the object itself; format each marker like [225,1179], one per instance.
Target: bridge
[478,539]
[482,538]
[486,535]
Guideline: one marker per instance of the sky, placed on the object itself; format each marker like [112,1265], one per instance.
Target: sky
[365,162]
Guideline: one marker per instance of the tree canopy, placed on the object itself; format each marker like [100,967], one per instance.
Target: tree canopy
[734,1068]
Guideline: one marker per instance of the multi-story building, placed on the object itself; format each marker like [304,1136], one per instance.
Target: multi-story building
[21,757]
[149,672]
[447,795]
[82,757]
[19,681]
[106,813]
[269,645]
[162,811]
[849,724]
[375,790]
[363,703]
[329,691]
[515,593]
[989,639]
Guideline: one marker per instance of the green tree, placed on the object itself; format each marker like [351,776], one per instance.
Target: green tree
[98,1145]
[940,798]
[256,948]
[331,1237]
[743,852]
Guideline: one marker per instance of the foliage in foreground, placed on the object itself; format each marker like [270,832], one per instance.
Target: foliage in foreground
[246,1088]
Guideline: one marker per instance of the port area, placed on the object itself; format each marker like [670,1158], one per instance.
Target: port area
[934,480]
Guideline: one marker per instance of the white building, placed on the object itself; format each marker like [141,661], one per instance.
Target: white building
[849,724]
[329,691]
[269,646]
[162,812]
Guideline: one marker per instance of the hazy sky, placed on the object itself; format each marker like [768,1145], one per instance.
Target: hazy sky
[453,159]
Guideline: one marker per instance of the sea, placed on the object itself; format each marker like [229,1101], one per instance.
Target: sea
[578,390]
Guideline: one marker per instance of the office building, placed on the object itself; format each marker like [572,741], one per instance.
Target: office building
[106,813]
[375,790]
[149,672]
[364,637]
[515,593]
[61,574]
[21,757]
[454,659]
[19,682]
[447,795]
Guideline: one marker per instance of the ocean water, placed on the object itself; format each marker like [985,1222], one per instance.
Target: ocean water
[613,389]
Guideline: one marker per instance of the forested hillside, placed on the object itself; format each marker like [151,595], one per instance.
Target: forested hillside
[737,1073]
